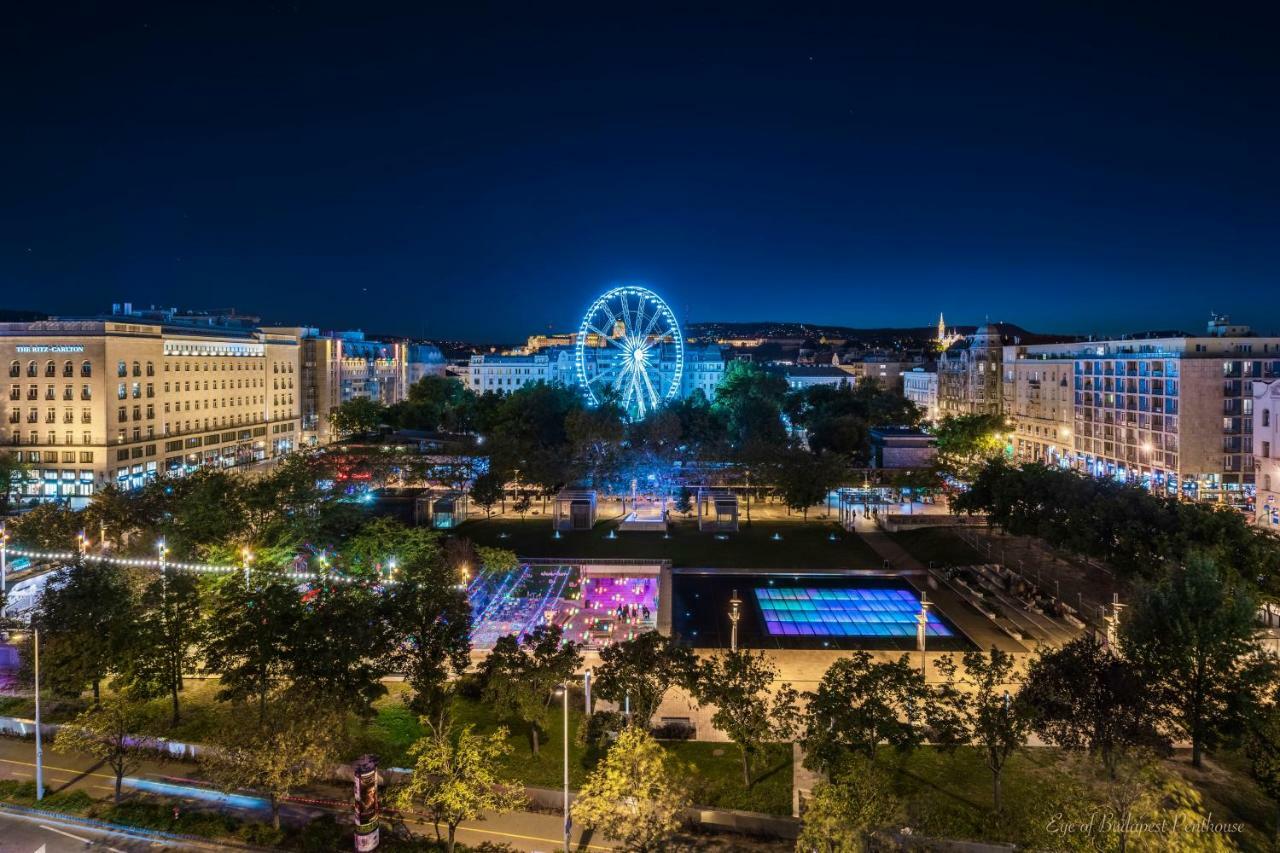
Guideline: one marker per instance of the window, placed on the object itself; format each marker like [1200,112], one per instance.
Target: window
[50,369]
[122,391]
[15,369]
[85,393]
[86,456]
[68,369]
[86,368]
[122,414]
[15,392]
[31,368]
[151,368]
[1266,450]
[68,392]
[137,369]
[86,416]
[1266,417]
[122,369]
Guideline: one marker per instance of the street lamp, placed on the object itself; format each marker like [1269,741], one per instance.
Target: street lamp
[82,543]
[391,568]
[564,692]
[247,557]
[922,623]
[4,567]
[735,613]
[39,740]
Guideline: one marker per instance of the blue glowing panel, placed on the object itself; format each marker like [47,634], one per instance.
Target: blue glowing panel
[850,612]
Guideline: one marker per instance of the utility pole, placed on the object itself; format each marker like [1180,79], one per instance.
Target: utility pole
[4,568]
[567,820]
[922,624]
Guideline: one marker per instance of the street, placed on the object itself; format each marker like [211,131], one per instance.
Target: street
[24,834]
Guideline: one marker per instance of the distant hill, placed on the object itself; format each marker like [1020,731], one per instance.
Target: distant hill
[870,337]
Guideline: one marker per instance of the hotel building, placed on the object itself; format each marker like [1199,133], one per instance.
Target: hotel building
[920,386]
[969,374]
[1174,413]
[1266,452]
[123,399]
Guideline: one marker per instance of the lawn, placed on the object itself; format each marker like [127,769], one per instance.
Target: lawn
[937,545]
[715,771]
[816,544]
[948,795]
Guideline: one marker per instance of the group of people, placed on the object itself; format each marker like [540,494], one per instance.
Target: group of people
[629,612]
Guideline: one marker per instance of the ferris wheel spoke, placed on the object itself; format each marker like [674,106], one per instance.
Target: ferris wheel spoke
[654,396]
[604,336]
[657,315]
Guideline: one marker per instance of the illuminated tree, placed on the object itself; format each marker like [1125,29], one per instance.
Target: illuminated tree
[357,416]
[521,676]
[840,814]
[643,668]
[112,733]
[752,714]
[635,795]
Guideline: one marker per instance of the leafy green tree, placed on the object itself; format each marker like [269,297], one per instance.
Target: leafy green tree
[486,491]
[595,440]
[430,618]
[635,795]
[804,479]
[83,617]
[295,744]
[840,814]
[122,517]
[379,540]
[991,720]
[1190,639]
[48,526]
[1262,748]
[341,645]
[357,416]
[750,401]
[160,647]
[752,714]
[248,637]
[861,703]
[457,776]
[13,476]
[839,418]
[966,442]
[432,403]
[644,668]
[496,559]
[1084,697]
[205,509]
[520,677]
[111,732]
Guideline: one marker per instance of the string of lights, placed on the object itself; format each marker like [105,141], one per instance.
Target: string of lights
[206,568]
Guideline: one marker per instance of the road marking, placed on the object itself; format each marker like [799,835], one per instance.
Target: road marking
[67,834]
[553,841]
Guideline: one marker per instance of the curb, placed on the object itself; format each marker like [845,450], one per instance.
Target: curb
[71,820]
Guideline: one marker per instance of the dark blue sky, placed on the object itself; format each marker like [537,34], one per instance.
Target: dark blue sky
[482,171]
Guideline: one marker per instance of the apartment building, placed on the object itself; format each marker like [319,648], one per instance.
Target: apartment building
[1172,412]
[341,366]
[125,398]
[920,386]
[969,374]
[1266,452]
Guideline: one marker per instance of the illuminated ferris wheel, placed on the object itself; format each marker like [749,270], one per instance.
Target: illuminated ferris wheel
[630,351]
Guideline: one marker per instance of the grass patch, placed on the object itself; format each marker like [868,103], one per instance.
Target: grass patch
[715,779]
[803,545]
[24,794]
[937,545]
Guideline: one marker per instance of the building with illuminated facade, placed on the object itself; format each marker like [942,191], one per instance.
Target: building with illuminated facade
[969,374]
[125,398]
[340,366]
[1266,452]
[920,386]
[1174,413]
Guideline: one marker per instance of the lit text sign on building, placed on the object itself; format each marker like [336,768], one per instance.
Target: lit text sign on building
[25,348]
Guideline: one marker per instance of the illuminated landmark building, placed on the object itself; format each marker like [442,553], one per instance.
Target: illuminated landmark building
[1172,412]
[969,374]
[124,398]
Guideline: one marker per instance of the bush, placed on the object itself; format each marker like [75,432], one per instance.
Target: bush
[674,730]
[470,685]
[322,835]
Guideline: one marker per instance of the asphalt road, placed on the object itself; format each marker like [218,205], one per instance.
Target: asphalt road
[21,834]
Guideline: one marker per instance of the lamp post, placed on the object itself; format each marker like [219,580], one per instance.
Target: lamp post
[735,613]
[564,691]
[4,568]
[161,550]
[39,740]
[922,624]
[247,558]
[82,543]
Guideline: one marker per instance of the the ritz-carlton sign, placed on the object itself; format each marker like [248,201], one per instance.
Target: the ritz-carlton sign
[49,348]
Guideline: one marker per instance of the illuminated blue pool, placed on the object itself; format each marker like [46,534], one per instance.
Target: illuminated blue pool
[843,612]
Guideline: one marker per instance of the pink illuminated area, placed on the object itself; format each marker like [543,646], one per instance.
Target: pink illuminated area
[612,609]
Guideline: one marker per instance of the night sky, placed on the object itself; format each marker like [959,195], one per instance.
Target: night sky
[482,171]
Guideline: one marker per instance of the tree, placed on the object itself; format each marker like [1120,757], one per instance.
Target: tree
[340,648]
[50,526]
[643,668]
[1084,697]
[431,621]
[738,684]
[520,677]
[634,796]
[249,634]
[83,616]
[357,416]
[523,503]
[160,648]
[750,401]
[841,813]
[1190,639]
[456,777]
[13,476]
[804,479]
[486,490]
[1262,747]
[292,746]
[966,442]
[595,436]
[861,703]
[112,733]
[991,719]
[368,553]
